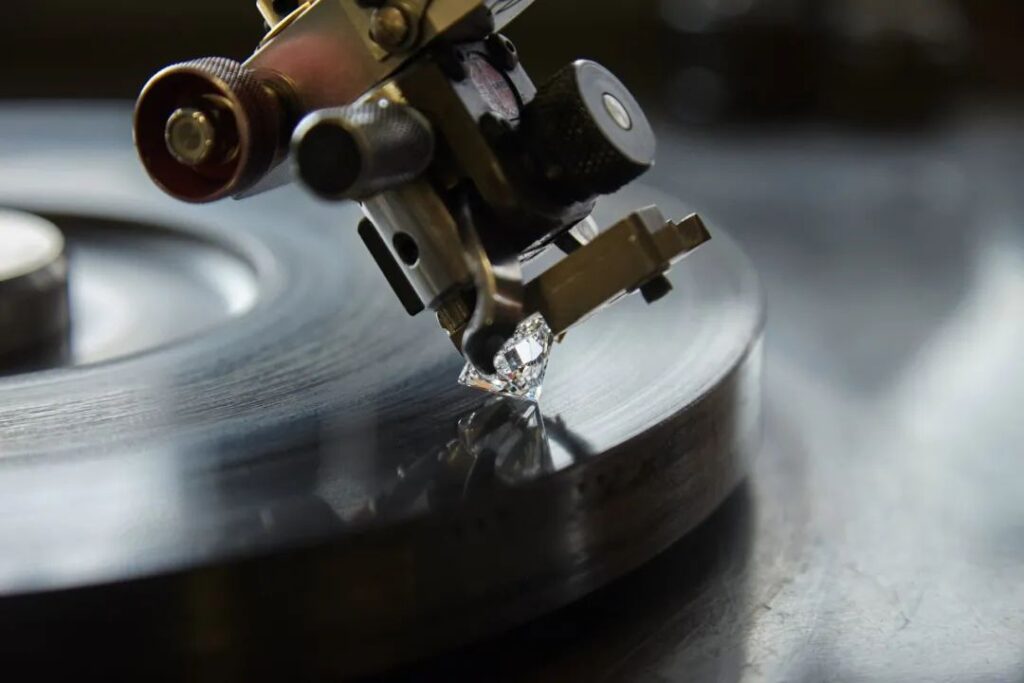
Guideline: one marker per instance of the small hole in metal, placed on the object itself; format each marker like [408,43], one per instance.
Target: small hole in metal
[617,110]
[407,249]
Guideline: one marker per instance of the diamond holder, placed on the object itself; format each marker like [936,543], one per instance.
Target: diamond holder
[641,246]
[521,364]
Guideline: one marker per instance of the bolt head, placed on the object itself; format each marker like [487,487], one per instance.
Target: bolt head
[389,27]
[191,136]
[617,110]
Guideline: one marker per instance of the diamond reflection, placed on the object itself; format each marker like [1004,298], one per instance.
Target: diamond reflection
[504,444]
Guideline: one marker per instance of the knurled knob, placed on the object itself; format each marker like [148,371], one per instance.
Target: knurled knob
[358,151]
[210,128]
[589,132]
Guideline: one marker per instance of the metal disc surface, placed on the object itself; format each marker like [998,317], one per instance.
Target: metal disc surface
[287,478]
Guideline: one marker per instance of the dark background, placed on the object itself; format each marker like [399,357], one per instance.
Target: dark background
[868,61]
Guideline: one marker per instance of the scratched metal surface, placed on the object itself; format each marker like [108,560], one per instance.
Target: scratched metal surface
[881,536]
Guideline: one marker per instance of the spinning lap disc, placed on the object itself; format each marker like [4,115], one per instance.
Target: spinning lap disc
[252,460]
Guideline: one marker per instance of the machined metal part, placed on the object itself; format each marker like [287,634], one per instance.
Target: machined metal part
[591,134]
[34,310]
[630,256]
[327,53]
[361,150]
[423,112]
[414,211]
[319,55]
[637,250]
[499,293]
[392,270]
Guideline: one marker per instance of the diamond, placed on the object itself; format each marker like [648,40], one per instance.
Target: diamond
[521,364]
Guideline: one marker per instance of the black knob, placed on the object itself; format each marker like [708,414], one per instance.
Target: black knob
[589,132]
[357,151]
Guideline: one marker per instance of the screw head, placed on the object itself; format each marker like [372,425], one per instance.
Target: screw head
[502,51]
[656,290]
[617,110]
[191,136]
[389,27]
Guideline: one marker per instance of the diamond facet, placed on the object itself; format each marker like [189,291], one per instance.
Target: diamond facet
[521,364]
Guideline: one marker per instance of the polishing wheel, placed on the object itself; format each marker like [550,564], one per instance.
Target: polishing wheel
[251,461]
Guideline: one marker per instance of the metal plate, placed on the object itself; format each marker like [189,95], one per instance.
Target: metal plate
[302,487]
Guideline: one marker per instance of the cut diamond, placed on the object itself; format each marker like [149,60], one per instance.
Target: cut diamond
[521,364]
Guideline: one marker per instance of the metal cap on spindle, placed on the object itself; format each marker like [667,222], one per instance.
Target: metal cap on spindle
[34,308]
[210,128]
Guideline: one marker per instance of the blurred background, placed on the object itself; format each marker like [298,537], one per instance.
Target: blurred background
[703,61]
[868,154]
[853,146]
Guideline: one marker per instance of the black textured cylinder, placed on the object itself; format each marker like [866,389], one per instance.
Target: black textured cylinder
[361,150]
[589,132]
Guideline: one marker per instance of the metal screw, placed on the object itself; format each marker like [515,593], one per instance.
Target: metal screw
[190,136]
[502,51]
[656,290]
[389,27]
[617,110]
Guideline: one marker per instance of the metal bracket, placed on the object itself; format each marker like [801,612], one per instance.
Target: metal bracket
[636,251]
[632,253]
[498,280]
